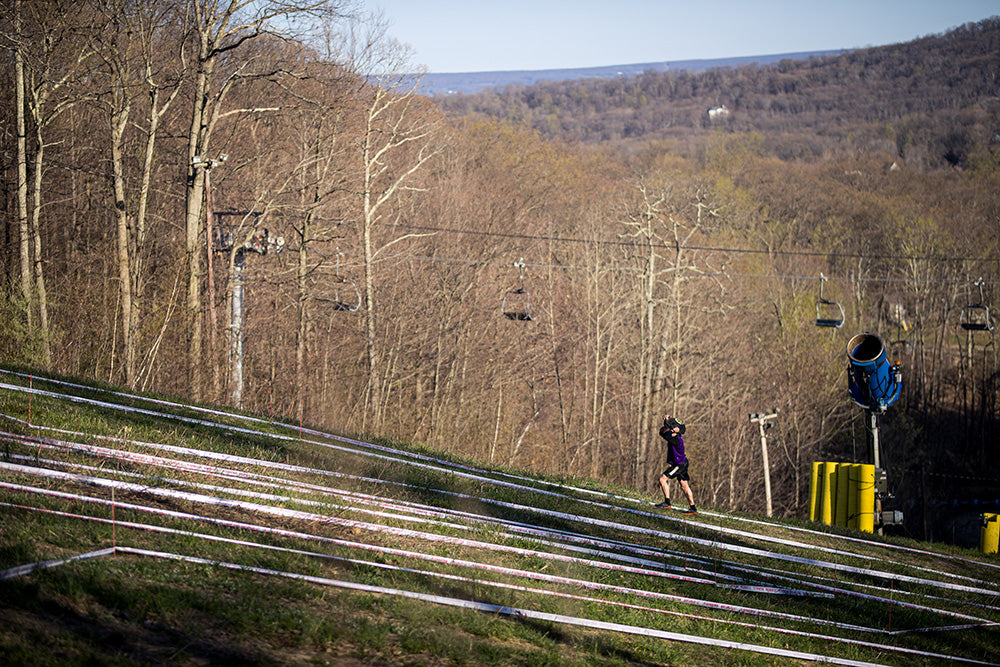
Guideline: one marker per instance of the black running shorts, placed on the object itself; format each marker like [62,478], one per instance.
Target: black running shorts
[677,472]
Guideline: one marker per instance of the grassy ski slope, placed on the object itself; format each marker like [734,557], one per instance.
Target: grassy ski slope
[141,530]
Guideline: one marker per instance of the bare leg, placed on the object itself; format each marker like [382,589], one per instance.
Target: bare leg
[686,488]
[665,485]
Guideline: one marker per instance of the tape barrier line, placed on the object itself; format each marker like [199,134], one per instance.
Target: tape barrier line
[450,540]
[296,428]
[91,449]
[378,448]
[963,559]
[666,535]
[481,566]
[535,533]
[469,468]
[22,570]
[264,529]
[752,588]
[517,526]
[741,534]
[289,513]
[539,576]
[547,592]
[887,575]
[869,597]
[419,555]
[827,590]
[453,602]
[513,612]
[144,552]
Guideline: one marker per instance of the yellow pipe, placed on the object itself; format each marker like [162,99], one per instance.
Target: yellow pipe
[989,534]
[814,482]
[854,474]
[829,474]
[866,498]
[843,489]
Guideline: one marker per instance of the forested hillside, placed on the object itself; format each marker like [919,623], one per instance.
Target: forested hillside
[930,101]
[154,157]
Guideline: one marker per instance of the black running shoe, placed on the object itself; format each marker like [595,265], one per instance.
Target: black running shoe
[691,510]
[665,505]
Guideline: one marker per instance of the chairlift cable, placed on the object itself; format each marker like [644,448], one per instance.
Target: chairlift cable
[803,253]
[708,274]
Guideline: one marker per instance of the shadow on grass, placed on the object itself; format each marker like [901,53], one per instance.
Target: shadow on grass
[55,630]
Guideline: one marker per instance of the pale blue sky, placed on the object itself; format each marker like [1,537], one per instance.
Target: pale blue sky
[477,36]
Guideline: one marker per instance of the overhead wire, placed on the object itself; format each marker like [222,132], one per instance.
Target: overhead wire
[623,243]
[703,274]
[700,248]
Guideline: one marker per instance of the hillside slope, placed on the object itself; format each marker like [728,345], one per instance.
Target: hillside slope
[140,530]
[933,99]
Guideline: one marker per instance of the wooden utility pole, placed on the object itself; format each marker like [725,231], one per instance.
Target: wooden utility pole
[760,418]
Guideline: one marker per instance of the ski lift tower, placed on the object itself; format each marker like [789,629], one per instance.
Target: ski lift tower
[260,243]
[874,384]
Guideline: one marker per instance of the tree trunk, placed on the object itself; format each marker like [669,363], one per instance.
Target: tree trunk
[22,172]
[303,315]
[192,232]
[36,234]
[373,397]
[119,121]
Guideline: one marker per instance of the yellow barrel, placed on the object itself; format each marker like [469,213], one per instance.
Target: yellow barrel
[854,474]
[814,490]
[829,498]
[866,498]
[989,534]
[843,484]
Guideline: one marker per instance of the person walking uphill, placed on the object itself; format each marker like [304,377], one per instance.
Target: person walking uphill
[673,431]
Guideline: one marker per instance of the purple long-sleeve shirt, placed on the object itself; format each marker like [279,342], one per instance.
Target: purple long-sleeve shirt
[675,447]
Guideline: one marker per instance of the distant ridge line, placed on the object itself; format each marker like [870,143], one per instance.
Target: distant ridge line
[450,83]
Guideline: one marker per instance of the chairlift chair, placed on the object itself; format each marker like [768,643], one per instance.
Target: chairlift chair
[829,314]
[976,316]
[352,301]
[516,303]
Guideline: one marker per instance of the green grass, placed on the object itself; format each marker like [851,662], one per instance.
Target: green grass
[129,609]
